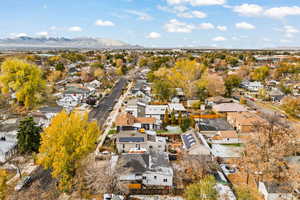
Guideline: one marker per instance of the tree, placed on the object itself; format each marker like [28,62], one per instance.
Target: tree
[244,192]
[173,117]
[64,143]
[232,81]
[186,123]
[260,74]
[23,79]
[203,190]
[214,84]
[28,136]
[185,74]
[99,73]
[179,119]
[166,118]
[60,67]
[55,76]
[163,90]
[265,152]
[3,185]
[291,105]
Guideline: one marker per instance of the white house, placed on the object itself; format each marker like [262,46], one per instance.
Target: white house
[156,111]
[69,101]
[151,169]
[253,86]
[136,107]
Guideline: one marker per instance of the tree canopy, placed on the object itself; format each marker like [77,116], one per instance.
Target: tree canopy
[64,143]
[24,79]
[203,190]
[28,136]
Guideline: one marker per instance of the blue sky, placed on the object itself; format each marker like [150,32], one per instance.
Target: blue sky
[158,23]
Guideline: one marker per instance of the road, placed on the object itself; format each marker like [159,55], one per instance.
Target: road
[101,112]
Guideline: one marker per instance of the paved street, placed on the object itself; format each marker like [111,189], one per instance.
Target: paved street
[101,112]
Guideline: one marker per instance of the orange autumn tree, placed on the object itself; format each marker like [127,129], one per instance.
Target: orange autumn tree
[68,139]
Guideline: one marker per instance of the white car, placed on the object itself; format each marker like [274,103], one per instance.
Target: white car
[23,182]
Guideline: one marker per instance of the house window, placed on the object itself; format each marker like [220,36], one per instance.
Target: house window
[144,177]
[155,177]
[123,146]
[165,180]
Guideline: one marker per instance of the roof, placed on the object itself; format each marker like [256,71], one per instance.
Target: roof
[137,163]
[246,119]
[129,136]
[225,134]
[189,140]
[176,107]
[229,107]
[226,151]
[127,119]
[49,109]
[155,109]
[219,99]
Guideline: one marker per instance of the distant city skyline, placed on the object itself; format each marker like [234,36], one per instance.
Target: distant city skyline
[158,23]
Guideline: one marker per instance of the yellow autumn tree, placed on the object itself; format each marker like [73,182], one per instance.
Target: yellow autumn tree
[99,73]
[185,74]
[3,186]
[23,79]
[68,139]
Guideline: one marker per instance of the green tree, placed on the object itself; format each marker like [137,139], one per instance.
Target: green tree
[232,81]
[203,190]
[166,118]
[28,136]
[179,119]
[186,123]
[173,117]
[60,67]
[23,79]
[68,139]
[162,90]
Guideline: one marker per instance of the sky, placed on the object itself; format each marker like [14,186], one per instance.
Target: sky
[158,23]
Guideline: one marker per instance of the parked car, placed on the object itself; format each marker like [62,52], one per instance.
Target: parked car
[227,169]
[23,182]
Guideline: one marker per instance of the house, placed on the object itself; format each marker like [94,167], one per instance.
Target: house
[253,86]
[156,111]
[49,112]
[276,94]
[69,101]
[136,107]
[245,122]
[225,137]
[228,108]
[194,146]
[275,191]
[217,100]
[177,108]
[8,139]
[133,140]
[179,96]
[226,151]
[149,169]
[127,121]
[77,92]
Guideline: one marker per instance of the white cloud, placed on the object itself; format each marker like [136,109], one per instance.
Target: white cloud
[173,9]
[267,40]
[280,12]
[100,22]
[285,41]
[52,28]
[42,34]
[153,35]
[75,29]
[197,2]
[192,14]
[175,26]
[249,9]
[219,39]
[206,26]
[244,25]
[140,15]
[290,31]
[222,28]
[18,35]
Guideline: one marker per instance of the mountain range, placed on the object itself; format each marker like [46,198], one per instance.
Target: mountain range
[62,42]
